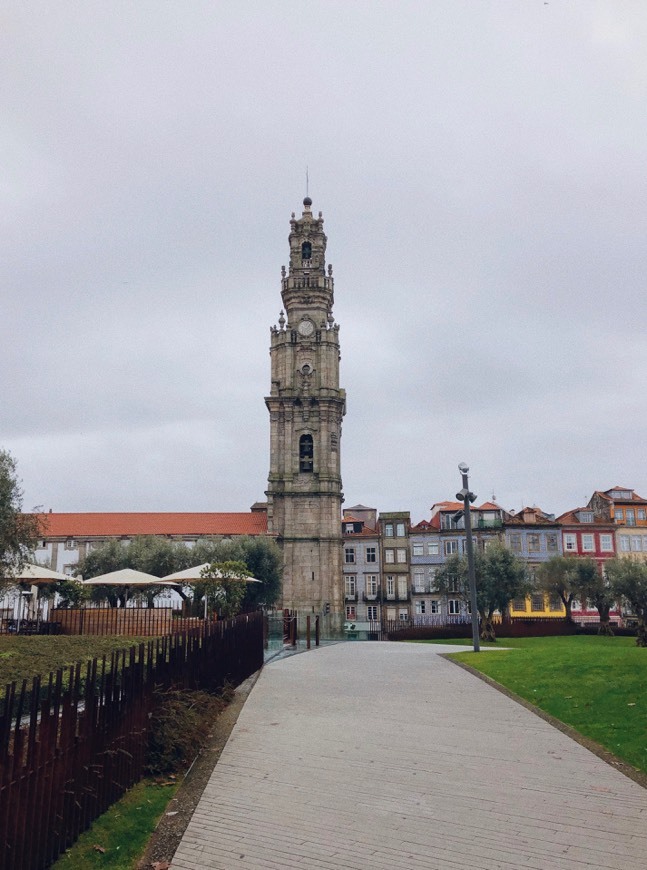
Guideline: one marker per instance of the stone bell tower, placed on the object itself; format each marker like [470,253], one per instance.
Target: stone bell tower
[306,408]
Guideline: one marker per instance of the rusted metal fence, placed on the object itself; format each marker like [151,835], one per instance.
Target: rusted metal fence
[134,621]
[73,742]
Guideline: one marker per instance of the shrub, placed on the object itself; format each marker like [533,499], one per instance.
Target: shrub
[180,725]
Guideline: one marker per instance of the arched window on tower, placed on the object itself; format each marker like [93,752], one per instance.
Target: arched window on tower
[306,453]
[306,251]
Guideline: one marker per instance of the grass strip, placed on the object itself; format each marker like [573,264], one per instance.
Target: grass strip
[118,838]
[597,685]
[23,657]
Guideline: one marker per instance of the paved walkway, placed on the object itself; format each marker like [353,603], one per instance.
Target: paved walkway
[385,756]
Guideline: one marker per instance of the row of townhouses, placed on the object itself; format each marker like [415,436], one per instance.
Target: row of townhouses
[389,564]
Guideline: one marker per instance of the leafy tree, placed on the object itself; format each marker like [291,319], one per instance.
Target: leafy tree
[500,577]
[159,556]
[71,592]
[558,576]
[262,557]
[592,585]
[18,531]
[224,587]
[628,581]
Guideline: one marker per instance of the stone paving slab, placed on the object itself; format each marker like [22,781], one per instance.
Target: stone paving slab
[381,756]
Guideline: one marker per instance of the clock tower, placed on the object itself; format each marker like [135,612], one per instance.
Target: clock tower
[306,408]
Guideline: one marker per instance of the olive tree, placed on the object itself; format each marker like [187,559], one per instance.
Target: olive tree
[593,586]
[628,581]
[500,577]
[18,531]
[260,556]
[558,576]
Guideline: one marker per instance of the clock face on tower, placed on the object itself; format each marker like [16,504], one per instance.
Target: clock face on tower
[306,328]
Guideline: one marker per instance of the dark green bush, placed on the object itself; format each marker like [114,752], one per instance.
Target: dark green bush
[180,725]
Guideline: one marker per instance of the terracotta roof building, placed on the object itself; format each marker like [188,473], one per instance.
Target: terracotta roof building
[65,538]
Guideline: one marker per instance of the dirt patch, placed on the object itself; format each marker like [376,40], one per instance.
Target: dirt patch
[171,827]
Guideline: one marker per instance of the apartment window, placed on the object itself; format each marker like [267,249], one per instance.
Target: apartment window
[625,546]
[452,584]
[641,514]
[434,606]
[399,530]
[371,584]
[350,587]
[534,543]
[630,517]
[349,528]
[388,530]
[570,543]
[588,545]
[450,547]
[403,615]
[351,612]
[420,607]
[606,543]
[619,515]
[551,543]
[515,543]
[68,570]
[371,555]
[555,603]
[419,582]
[636,543]
[418,550]
[537,601]
[41,545]
[70,544]
[402,587]
[433,548]
[586,516]
[390,612]
[349,555]
[371,612]
[645,543]
[402,556]
[389,556]
[519,604]
[453,606]
[390,584]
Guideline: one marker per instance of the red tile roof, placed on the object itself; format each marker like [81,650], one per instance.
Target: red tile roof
[571,518]
[89,525]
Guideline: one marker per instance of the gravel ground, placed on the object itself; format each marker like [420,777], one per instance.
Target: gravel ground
[162,845]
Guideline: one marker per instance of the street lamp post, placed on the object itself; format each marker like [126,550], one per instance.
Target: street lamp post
[467,498]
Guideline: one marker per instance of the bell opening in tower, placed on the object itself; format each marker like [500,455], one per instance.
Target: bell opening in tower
[306,251]
[306,453]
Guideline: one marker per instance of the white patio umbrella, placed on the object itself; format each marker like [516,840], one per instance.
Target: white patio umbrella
[195,573]
[37,574]
[126,577]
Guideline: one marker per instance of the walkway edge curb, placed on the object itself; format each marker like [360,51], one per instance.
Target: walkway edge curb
[597,749]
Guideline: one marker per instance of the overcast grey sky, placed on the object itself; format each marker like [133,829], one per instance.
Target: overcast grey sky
[481,168]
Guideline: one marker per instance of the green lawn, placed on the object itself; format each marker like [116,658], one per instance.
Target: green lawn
[118,838]
[597,685]
[24,657]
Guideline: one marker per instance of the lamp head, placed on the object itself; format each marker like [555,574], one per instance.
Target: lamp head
[463,467]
